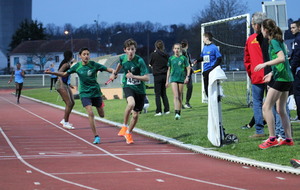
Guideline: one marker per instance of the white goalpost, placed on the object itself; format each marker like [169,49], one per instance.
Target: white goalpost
[230,36]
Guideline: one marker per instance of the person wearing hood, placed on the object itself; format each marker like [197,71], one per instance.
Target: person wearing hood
[159,64]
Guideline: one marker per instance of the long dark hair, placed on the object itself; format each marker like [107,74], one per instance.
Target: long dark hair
[68,55]
[273,30]
[159,45]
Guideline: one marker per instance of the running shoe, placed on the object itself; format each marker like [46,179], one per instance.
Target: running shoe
[122,131]
[283,142]
[67,125]
[158,114]
[268,143]
[63,122]
[246,126]
[295,163]
[97,140]
[187,106]
[128,138]
[166,113]
[177,116]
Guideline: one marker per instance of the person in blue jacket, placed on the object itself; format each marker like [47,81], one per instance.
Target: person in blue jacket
[211,57]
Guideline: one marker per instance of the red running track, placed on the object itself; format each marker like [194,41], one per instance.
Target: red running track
[36,153]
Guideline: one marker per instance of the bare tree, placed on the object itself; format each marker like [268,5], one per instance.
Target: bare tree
[220,9]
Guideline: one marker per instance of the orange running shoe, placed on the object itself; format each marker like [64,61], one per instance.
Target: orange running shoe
[268,143]
[122,131]
[128,138]
[291,143]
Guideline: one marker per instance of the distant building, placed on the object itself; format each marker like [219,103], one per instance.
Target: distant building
[12,13]
[35,56]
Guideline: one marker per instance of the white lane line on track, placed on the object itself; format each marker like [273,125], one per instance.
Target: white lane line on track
[114,172]
[121,159]
[37,169]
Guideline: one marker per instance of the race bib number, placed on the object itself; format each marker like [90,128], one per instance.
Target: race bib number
[206,59]
[131,81]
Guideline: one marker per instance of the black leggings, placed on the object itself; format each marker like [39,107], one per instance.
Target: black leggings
[53,81]
[19,87]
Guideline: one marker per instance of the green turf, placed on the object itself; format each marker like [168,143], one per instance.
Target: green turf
[192,127]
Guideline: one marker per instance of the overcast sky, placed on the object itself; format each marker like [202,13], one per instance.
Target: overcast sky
[80,12]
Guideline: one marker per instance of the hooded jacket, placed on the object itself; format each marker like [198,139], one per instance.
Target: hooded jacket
[159,62]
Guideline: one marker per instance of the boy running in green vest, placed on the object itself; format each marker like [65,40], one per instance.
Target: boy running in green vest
[89,89]
[135,75]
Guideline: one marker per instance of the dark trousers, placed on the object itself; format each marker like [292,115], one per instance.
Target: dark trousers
[189,91]
[205,75]
[160,92]
[52,82]
[296,91]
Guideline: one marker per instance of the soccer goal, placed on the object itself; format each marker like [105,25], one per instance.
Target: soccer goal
[230,36]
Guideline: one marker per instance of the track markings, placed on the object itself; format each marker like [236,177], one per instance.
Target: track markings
[106,152]
[37,183]
[160,180]
[28,171]
[280,178]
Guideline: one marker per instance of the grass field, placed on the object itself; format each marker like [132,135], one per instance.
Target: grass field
[192,127]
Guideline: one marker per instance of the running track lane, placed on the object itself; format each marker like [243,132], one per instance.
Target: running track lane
[36,153]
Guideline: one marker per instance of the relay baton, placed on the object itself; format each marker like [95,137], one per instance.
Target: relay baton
[107,82]
[199,70]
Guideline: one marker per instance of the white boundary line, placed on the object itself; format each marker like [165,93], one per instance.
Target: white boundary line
[198,149]
[108,153]
[37,169]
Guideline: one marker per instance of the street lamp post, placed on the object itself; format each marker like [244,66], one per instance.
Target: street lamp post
[109,40]
[97,35]
[71,37]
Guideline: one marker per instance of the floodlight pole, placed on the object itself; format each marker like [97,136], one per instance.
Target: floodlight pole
[66,32]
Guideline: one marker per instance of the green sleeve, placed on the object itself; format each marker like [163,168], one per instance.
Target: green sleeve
[101,67]
[73,68]
[144,69]
[276,46]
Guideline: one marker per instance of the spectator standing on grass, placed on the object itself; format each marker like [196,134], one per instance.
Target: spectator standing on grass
[19,79]
[135,76]
[295,64]
[256,52]
[279,88]
[178,74]
[189,85]
[159,64]
[89,90]
[53,78]
[211,58]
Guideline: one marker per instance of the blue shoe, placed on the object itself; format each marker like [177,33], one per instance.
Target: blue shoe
[97,140]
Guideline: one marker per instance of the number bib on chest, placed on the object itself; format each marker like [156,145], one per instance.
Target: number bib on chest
[131,81]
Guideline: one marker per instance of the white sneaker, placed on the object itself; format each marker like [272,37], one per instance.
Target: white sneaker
[63,122]
[177,116]
[158,114]
[168,112]
[67,125]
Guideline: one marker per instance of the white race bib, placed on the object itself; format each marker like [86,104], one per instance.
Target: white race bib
[206,59]
[131,81]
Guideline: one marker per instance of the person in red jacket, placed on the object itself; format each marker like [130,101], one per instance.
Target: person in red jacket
[256,52]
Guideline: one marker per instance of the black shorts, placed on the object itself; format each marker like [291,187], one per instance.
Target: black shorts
[138,98]
[97,101]
[281,86]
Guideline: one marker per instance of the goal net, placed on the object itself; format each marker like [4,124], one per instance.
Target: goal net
[230,36]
